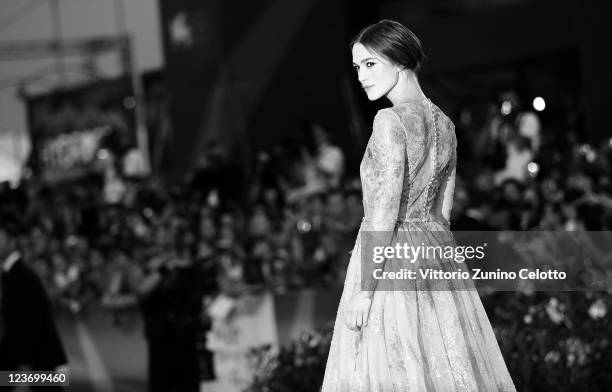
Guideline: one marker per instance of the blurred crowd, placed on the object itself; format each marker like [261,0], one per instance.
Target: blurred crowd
[96,239]
[292,223]
[522,174]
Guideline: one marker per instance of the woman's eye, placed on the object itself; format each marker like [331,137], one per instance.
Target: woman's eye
[370,64]
[356,68]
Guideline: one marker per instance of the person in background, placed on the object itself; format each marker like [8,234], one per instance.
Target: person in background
[171,299]
[320,171]
[329,159]
[529,126]
[518,156]
[30,338]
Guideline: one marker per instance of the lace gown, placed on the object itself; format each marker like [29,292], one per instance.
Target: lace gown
[417,339]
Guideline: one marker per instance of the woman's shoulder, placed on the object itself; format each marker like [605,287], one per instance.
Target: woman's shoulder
[407,117]
[388,126]
[386,117]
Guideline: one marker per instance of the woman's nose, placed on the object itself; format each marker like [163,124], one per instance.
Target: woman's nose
[362,77]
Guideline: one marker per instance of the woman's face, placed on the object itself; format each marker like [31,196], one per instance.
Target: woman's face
[376,75]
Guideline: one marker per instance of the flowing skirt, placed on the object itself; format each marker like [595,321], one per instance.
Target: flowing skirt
[418,339]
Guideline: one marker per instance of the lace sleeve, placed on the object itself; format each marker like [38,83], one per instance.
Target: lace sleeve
[387,156]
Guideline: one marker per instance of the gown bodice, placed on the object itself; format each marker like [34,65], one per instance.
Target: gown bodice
[407,161]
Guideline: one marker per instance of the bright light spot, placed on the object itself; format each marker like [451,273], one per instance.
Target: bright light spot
[102,154]
[304,226]
[506,107]
[539,104]
[610,142]
[533,169]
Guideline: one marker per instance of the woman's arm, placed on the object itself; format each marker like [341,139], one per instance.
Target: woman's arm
[387,154]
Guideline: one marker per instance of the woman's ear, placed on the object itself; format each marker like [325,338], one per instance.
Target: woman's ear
[403,72]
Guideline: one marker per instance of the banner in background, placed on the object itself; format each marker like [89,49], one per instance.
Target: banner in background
[69,127]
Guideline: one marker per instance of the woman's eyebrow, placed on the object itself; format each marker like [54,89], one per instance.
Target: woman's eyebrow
[364,60]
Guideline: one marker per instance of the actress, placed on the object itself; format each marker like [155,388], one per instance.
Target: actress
[409,335]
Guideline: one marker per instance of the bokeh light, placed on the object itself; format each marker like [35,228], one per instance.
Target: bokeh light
[539,104]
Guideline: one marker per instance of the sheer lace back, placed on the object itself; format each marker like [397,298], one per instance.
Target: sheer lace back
[416,143]
[434,162]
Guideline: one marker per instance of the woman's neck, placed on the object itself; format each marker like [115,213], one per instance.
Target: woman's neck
[406,89]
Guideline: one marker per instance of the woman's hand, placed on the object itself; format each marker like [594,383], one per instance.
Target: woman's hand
[358,310]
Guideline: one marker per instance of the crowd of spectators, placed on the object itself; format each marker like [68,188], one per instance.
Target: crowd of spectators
[94,239]
[523,175]
[294,221]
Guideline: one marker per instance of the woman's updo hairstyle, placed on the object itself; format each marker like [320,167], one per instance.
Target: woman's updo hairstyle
[393,41]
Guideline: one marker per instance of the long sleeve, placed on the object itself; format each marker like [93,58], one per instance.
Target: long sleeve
[386,154]
[386,158]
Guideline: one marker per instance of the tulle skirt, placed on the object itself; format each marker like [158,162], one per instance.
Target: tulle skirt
[418,338]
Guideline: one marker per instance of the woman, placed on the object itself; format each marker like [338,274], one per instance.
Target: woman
[410,335]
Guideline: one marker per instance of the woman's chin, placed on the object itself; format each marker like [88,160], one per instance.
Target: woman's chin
[372,97]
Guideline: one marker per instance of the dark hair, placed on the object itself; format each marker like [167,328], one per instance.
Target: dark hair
[393,41]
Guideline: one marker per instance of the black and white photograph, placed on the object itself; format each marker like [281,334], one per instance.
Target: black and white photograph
[305,196]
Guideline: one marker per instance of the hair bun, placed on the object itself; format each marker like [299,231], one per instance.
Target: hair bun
[393,41]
